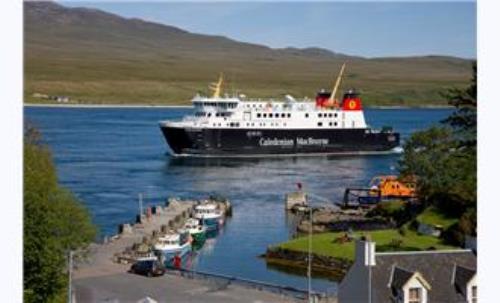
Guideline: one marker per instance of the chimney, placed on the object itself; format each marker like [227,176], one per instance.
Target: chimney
[365,252]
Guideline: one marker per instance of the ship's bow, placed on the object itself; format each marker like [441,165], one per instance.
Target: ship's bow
[177,137]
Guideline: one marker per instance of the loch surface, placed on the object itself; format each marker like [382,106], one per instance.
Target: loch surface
[107,156]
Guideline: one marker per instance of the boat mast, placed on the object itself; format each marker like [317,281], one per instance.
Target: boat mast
[337,83]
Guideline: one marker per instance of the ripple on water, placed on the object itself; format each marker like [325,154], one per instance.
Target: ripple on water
[109,156]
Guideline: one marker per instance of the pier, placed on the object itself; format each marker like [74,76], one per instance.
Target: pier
[103,273]
[115,255]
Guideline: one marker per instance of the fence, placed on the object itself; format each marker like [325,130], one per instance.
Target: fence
[223,281]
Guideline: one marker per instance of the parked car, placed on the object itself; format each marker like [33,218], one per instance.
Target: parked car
[150,268]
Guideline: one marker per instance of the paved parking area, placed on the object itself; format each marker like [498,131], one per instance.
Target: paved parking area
[126,287]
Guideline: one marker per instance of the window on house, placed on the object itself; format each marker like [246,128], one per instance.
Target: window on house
[289,115]
[276,115]
[265,115]
[307,115]
[474,294]
[329,115]
[283,115]
[415,295]
[320,115]
[258,115]
[320,124]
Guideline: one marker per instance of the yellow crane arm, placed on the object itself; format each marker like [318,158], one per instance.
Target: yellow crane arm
[337,83]
[217,87]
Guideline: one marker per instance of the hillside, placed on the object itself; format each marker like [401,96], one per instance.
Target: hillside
[97,57]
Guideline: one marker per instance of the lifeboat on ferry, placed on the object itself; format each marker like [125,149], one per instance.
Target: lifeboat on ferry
[323,100]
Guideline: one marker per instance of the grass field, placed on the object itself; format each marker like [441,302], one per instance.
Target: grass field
[432,216]
[94,57]
[323,244]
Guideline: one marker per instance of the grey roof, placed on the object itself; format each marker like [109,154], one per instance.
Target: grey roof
[436,267]
[462,276]
[400,276]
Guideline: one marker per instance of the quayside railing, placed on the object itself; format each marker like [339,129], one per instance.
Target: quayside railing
[227,280]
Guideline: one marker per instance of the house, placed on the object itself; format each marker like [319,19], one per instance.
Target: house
[409,277]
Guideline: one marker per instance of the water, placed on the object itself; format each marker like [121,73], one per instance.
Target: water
[109,156]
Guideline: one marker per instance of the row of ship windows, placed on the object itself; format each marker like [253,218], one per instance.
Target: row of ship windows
[276,115]
[237,124]
[203,114]
[288,115]
[325,115]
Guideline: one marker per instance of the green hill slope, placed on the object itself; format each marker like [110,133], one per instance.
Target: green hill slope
[97,57]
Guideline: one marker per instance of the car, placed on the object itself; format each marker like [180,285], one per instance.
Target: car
[150,268]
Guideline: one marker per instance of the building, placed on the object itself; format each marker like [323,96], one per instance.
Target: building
[409,277]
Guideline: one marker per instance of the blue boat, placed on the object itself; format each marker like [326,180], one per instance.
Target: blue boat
[172,244]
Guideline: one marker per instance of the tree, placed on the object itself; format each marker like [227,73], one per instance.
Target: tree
[444,157]
[54,223]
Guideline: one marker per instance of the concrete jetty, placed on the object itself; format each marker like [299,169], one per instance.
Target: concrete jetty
[108,258]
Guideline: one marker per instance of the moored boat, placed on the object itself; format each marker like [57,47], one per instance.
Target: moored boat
[210,216]
[172,244]
[196,230]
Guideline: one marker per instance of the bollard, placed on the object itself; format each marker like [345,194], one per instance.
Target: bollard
[138,219]
[163,228]
[124,228]
[153,210]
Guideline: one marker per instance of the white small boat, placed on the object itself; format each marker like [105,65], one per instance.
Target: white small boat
[173,244]
[210,215]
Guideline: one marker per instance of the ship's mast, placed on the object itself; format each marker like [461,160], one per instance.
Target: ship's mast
[217,87]
[337,83]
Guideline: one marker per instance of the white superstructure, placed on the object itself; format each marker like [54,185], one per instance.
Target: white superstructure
[237,112]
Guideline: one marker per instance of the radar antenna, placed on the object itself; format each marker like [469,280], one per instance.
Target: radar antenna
[217,87]
[337,84]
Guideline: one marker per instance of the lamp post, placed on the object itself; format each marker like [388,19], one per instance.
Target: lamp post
[70,272]
[309,263]
[140,204]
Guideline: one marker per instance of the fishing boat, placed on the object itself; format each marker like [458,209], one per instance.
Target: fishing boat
[172,244]
[196,230]
[209,215]
[228,126]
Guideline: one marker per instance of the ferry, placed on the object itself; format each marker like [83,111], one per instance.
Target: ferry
[226,126]
[209,215]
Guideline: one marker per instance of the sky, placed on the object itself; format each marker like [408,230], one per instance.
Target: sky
[368,29]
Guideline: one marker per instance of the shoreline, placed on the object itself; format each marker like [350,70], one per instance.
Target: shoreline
[56,105]
[102,105]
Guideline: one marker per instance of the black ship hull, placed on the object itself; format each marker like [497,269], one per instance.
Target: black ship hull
[248,142]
